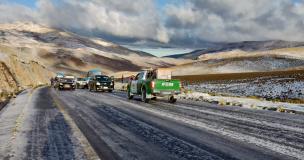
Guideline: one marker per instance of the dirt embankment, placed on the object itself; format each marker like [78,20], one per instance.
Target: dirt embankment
[16,72]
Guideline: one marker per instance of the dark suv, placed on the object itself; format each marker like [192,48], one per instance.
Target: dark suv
[101,83]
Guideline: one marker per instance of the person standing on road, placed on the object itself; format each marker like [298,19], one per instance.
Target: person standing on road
[121,78]
[52,81]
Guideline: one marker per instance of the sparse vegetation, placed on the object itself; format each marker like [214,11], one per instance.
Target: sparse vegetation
[40,85]
[16,89]
[186,91]
[253,97]
[222,102]
[279,108]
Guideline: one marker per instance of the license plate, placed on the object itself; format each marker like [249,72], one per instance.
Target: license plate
[67,86]
[166,92]
[105,87]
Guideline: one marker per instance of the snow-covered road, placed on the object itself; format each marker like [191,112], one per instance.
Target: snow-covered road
[86,125]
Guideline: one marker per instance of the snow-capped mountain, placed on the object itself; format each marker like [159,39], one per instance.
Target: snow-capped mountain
[247,46]
[64,51]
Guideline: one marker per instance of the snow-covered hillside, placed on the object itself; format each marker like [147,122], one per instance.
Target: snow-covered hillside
[238,61]
[247,46]
[63,51]
[269,87]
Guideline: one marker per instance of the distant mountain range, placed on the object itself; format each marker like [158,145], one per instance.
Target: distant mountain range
[247,46]
[63,51]
[183,54]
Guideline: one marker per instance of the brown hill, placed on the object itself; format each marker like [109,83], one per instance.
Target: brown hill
[247,46]
[65,52]
[16,73]
[238,61]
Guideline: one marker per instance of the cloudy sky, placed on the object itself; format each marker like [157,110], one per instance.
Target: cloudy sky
[166,26]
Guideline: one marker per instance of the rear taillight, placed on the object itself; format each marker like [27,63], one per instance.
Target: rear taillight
[152,84]
[180,84]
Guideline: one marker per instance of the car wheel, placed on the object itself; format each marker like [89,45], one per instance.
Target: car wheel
[129,94]
[171,99]
[109,90]
[143,96]
[154,98]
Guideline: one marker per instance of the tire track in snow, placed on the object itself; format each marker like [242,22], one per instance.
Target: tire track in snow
[274,146]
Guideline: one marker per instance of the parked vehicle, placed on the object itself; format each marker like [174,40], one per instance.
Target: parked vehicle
[64,84]
[153,83]
[101,83]
[80,82]
[93,72]
[59,75]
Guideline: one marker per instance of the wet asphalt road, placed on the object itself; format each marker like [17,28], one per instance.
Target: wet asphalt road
[118,128]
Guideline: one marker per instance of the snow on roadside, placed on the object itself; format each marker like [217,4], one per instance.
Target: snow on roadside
[244,102]
[8,117]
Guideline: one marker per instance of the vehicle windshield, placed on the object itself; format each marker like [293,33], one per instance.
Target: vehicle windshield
[103,78]
[94,73]
[81,79]
[65,80]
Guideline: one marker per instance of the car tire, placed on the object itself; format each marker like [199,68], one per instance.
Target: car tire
[109,90]
[171,99]
[129,94]
[143,96]
[154,98]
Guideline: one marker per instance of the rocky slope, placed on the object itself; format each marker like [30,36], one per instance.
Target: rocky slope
[248,46]
[16,73]
[66,52]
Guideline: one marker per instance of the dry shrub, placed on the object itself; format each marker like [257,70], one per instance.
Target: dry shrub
[279,108]
[187,90]
[253,97]
[16,88]
[211,93]
[222,102]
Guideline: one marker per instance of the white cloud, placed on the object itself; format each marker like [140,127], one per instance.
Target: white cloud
[128,18]
[237,20]
[180,24]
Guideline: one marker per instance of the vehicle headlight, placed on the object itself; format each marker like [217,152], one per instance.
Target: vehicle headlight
[60,83]
[97,83]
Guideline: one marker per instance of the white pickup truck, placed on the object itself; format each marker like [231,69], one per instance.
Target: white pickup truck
[80,82]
